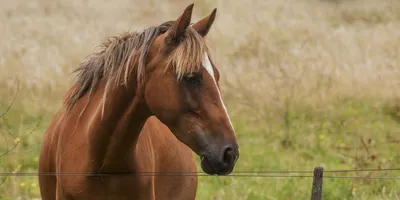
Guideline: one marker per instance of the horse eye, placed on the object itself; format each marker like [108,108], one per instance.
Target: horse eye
[193,79]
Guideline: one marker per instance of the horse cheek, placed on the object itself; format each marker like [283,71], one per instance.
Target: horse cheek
[164,103]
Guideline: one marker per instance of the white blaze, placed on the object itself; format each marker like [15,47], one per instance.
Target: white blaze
[208,66]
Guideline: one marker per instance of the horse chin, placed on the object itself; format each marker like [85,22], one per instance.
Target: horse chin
[206,167]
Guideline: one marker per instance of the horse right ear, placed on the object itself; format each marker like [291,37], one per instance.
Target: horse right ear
[204,25]
[178,29]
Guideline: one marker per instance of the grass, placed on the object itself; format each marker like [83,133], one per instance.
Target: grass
[359,135]
[307,83]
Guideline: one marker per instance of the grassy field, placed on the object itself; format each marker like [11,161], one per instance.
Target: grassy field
[306,83]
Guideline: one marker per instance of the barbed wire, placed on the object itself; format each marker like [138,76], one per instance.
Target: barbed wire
[146,174]
[310,171]
[362,170]
[365,177]
[256,174]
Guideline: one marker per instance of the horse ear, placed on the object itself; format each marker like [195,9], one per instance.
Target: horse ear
[204,25]
[177,30]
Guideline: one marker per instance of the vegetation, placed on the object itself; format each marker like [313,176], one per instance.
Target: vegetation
[306,82]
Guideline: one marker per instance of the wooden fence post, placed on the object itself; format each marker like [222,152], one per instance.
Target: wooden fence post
[316,193]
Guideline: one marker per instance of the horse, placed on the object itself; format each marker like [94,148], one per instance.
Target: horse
[147,103]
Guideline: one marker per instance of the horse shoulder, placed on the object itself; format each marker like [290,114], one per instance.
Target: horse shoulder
[170,155]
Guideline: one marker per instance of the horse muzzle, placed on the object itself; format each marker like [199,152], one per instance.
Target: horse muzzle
[221,162]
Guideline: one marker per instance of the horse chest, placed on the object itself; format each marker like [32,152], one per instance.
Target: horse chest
[109,188]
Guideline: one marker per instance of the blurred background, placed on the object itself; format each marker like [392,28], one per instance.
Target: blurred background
[306,82]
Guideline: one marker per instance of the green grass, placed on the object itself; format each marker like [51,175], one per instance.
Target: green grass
[307,83]
[356,134]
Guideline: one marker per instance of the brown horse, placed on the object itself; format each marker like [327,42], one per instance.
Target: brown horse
[142,104]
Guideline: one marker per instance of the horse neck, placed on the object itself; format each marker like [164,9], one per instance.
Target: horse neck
[113,132]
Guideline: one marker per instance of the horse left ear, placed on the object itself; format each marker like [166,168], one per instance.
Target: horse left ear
[204,25]
[178,29]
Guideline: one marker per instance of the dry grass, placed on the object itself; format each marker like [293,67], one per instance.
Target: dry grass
[302,47]
[282,61]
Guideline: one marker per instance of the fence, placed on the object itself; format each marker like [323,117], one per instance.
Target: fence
[317,175]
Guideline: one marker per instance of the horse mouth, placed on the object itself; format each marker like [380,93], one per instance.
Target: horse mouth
[213,167]
[206,166]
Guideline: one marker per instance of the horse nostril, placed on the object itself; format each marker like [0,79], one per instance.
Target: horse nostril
[228,156]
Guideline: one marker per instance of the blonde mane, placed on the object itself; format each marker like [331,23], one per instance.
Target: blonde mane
[120,55]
